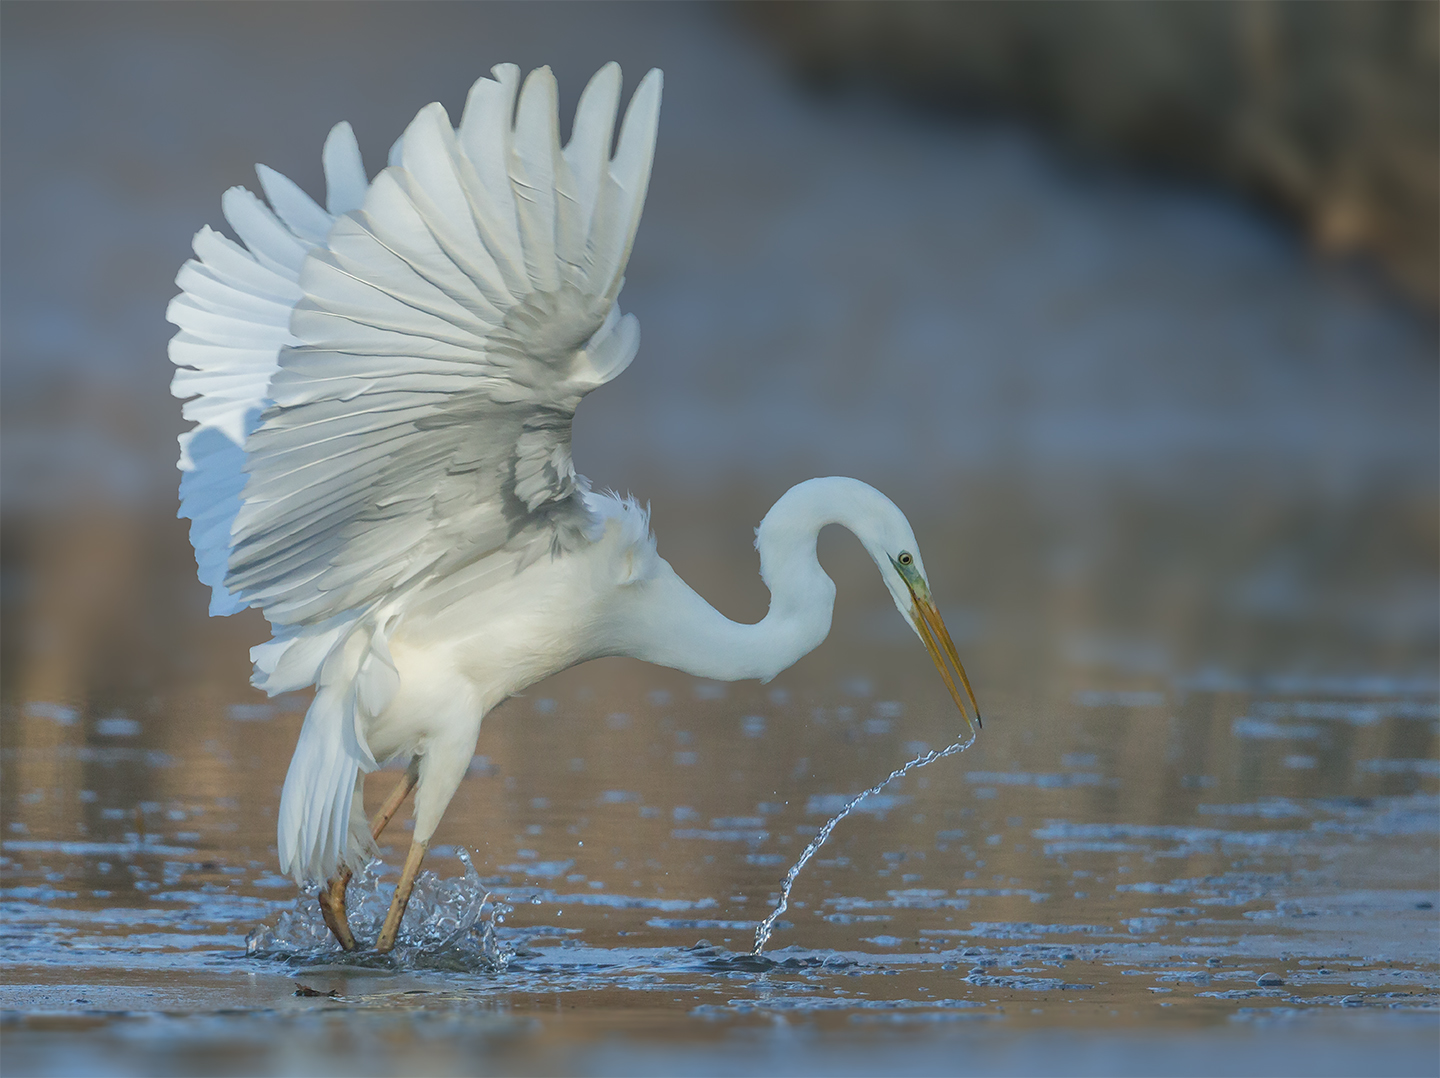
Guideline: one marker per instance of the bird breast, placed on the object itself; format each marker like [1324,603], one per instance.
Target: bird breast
[517,623]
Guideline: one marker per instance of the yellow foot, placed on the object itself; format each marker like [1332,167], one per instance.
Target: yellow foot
[332,908]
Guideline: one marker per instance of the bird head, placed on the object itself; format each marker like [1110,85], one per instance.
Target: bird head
[890,541]
[786,542]
[920,611]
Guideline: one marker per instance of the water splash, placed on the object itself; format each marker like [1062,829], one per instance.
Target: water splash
[449,923]
[762,933]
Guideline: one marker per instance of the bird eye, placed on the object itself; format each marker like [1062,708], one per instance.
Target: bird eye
[905,558]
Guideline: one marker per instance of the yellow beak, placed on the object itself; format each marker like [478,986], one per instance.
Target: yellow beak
[941,648]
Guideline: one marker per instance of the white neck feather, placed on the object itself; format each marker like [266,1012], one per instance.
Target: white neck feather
[662,620]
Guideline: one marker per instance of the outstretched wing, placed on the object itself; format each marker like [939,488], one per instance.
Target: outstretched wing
[386,386]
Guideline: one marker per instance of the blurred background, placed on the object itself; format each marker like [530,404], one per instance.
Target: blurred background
[1322,112]
[1130,307]
[1138,299]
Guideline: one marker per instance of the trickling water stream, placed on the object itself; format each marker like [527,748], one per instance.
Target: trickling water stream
[762,932]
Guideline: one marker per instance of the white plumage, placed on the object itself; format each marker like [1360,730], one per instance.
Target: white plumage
[383,391]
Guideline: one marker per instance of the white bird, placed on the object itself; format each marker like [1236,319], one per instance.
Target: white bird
[383,391]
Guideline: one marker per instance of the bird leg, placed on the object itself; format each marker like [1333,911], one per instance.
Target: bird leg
[391,928]
[396,799]
[332,908]
[332,895]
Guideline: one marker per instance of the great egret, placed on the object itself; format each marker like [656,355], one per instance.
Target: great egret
[383,391]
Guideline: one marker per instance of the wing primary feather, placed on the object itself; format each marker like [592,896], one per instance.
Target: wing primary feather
[237,267]
[365,255]
[486,132]
[436,187]
[427,160]
[532,175]
[588,151]
[203,284]
[186,313]
[393,219]
[345,179]
[267,237]
[623,196]
[298,210]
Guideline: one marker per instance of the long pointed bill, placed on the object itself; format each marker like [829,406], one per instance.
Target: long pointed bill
[941,648]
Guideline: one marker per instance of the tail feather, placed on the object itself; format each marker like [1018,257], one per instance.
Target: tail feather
[317,829]
[322,823]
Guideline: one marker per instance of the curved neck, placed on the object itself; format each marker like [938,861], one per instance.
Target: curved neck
[667,623]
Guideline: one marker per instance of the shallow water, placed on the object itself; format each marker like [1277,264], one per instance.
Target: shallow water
[1175,485]
[1166,853]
